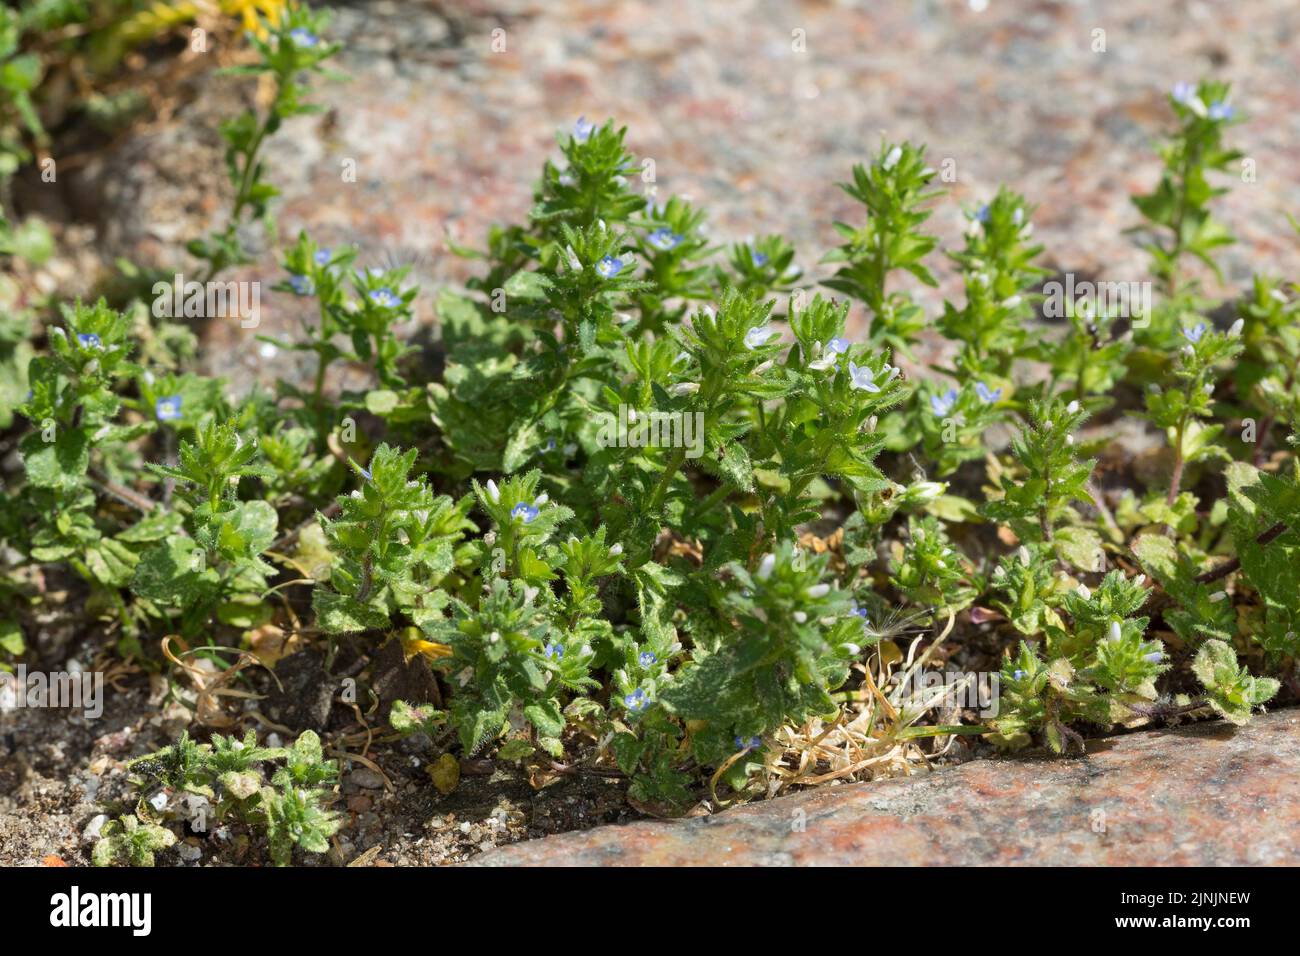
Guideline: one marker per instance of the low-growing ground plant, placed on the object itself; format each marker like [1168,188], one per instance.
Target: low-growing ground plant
[662,509]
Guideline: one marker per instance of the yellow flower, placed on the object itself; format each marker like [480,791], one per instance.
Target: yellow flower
[272,10]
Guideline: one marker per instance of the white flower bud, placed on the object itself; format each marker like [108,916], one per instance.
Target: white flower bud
[818,590]
[765,567]
[493,491]
[615,550]
[1114,634]
[1235,329]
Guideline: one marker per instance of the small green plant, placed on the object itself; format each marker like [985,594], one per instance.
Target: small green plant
[293,46]
[227,776]
[128,842]
[652,508]
[1177,210]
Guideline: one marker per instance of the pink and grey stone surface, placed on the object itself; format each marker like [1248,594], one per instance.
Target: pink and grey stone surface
[1205,795]
[753,108]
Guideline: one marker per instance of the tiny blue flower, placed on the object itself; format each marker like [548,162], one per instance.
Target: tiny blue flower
[756,336]
[982,214]
[760,258]
[89,340]
[385,299]
[861,377]
[1182,92]
[838,345]
[664,239]
[302,285]
[748,743]
[609,267]
[1221,111]
[647,659]
[637,701]
[1155,657]
[365,472]
[986,396]
[322,257]
[553,651]
[525,511]
[1196,333]
[943,404]
[303,38]
[1018,675]
[168,409]
[582,130]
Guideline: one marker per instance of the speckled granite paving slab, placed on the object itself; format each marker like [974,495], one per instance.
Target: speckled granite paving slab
[1207,795]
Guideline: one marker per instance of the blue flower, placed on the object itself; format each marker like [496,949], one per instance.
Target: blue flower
[1018,675]
[838,345]
[1196,333]
[609,267]
[941,405]
[756,336]
[986,396]
[525,511]
[860,376]
[982,214]
[302,285]
[322,257]
[303,38]
[664,239]
[89,340]
[760,258]
[553,651]
[637,701]
[1183,92]
[748,743]
[647,659]
[365,472]
[1221,111]
[582,130]
[385,299]
[168,408]
[859,612]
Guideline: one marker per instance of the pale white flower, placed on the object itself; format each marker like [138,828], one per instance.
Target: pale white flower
[861,377]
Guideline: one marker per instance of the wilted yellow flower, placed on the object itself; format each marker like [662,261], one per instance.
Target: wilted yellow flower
[249,10]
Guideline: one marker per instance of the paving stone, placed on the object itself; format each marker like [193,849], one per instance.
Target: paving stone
[1204,795]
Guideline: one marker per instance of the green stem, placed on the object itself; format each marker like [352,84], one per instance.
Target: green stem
[665,480]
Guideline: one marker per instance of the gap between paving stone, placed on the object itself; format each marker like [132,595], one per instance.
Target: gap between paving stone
[1209,794]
